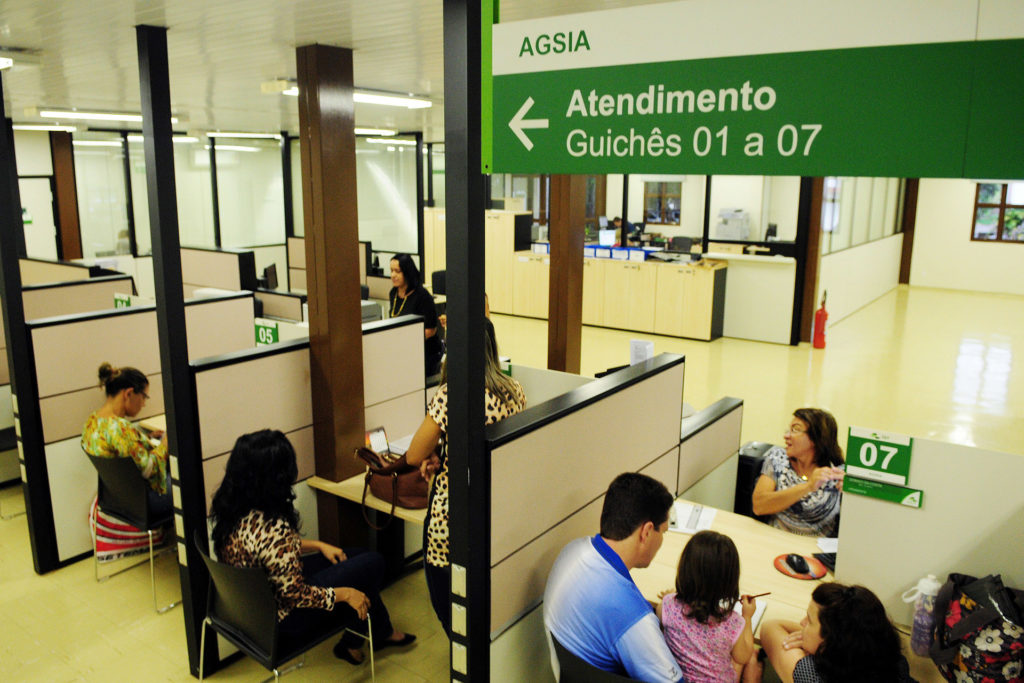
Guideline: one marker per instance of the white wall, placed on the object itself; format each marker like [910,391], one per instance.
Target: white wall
[32,152]
[857,276]
[944,255]
[783,205]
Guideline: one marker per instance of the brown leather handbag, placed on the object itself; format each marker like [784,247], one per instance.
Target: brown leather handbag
[394,481]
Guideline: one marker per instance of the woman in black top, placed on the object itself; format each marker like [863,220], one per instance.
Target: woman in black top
[408,297]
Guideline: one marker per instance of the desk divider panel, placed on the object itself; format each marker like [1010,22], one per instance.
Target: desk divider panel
[708,438]
[561,455]
[66,353]
[971,521]
[392,359]
[297,263]
[38,271]
[280,304]
[231,269]
[76,296]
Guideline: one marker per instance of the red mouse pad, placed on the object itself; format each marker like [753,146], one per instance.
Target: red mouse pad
[817,569]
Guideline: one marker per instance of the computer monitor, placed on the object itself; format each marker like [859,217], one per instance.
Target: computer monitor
[682,244]
[771,233]
[269,278]
[606,238]
[602,221]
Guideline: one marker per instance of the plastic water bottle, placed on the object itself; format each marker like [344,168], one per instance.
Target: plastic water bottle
[923,597]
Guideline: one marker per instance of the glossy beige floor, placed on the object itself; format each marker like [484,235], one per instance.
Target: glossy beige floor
[932,363]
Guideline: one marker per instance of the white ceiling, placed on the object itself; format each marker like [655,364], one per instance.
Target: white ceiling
[220,51]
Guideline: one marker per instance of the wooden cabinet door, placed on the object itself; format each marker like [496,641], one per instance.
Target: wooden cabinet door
[617,293]
[521,282]
[640,304]
[540,268]
[698,298]
[669,298]
[593,291]
[498,258]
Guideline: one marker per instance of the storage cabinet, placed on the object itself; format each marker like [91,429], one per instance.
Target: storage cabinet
[690,300]
[593,291]
[506,233]
[530,281]
[670,295]
[628,295]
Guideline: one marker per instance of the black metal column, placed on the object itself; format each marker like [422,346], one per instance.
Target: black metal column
[32,457]
[429,201]
[803,228]
[705,238]
[623,233]
[466,192]
[420,203]
[129,202]
[213,192]
[186,463]
[286,177]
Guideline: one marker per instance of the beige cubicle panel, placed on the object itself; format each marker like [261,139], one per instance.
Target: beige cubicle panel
[710,446]
[297,279]
[231,316]
[578,454]
[76,296]
[38,272]
[393,379]
[971,521]
[227,269]
[297,253]
[281,305]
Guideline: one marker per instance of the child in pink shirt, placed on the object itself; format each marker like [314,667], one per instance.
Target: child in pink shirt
[711,642]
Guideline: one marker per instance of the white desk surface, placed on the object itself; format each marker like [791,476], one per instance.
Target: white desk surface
[154,422]
[352,489]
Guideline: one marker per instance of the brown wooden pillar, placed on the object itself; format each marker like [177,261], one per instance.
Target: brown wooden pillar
[907,223]
[565,285]
[328,147]
[66,196]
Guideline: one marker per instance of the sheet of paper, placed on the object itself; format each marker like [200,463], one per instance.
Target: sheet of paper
[688,518]
[758,612]
[828,545]
[402,445]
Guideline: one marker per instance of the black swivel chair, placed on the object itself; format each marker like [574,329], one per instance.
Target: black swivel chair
[748,471]
[572,669]
[438,282]
[123,493]
[241,607]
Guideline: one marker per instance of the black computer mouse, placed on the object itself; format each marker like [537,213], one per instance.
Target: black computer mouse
[797,563]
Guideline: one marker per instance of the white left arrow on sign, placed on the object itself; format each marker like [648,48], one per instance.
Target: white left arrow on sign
[518,123]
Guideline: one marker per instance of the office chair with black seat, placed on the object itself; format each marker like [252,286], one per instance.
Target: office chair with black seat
[123,493]
[438,282]
[572,669]
[241,607]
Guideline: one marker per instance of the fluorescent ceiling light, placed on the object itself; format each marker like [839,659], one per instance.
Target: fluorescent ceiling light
[92,115]
[364,97]
[6,62]
[180,139]
[391,141]
[375,131]
[44,126]
[235,148]
[96,143]
[239,134]
[392,100]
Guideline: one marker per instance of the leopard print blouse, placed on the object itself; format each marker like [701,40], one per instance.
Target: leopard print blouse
[495,409]
[276,547]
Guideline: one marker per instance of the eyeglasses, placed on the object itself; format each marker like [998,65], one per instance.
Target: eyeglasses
[793,430]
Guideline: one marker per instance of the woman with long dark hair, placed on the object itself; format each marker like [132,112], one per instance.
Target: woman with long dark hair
[801,485]
[408,297]
[109,432]
[503,397]
[846,637]
[256,525]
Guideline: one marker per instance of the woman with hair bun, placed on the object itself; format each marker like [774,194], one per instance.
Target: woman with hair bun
[109,432]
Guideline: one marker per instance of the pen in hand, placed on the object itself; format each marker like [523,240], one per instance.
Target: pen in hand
[759,595]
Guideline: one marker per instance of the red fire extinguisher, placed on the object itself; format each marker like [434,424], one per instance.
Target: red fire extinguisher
[820,316]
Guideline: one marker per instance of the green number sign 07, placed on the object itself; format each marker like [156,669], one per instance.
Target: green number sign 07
[878,456]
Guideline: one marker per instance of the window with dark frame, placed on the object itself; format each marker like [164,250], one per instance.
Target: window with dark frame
[998,212]
[662,203]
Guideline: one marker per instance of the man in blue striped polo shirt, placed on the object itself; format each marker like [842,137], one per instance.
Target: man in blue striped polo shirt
[591,605]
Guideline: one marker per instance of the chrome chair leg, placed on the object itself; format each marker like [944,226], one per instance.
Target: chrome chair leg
[202,645]
[152,580]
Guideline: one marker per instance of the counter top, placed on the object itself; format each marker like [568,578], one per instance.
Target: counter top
[780,260]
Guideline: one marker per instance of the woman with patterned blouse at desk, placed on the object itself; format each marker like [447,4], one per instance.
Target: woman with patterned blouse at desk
[801,485]
[408,297]
[846,637]
[503,397]
[109,432]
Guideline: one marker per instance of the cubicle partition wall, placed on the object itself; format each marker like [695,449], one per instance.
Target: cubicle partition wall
[74,296]
[66,353]
[709,444]
[297,263]
[281,304]
[268,387]
[550,468]
[9,470]
[272,255]
[40,271]
[230,269]
[971,521]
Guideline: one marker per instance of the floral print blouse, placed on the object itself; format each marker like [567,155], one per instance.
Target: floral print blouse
[117,437]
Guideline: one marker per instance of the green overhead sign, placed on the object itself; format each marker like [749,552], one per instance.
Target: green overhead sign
[719,87]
